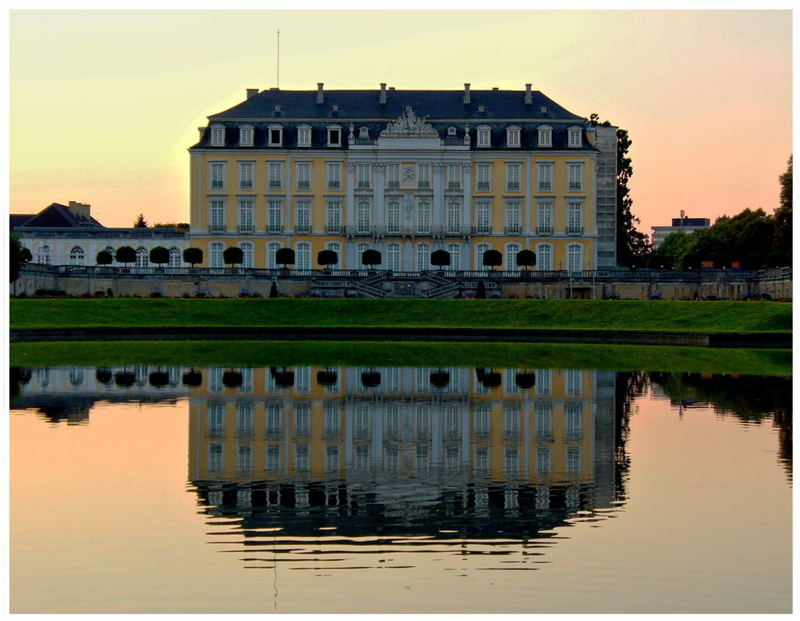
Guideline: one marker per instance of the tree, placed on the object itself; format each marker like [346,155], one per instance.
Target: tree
[371,258]
[480,292]
[125,254]
[284,256]
[327,258]
[178,226]
[526,258]
[492,258]
[159,255]
[140,223]
[440,258]
[19,256]
[783,215]
[104,257]
[233,256]
[193,256]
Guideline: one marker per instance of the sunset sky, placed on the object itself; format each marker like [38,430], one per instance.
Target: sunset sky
[104,104]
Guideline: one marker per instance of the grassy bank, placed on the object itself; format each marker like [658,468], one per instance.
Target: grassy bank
[622,315]
[352,353]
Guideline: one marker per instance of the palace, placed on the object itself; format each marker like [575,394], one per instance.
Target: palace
[405,173]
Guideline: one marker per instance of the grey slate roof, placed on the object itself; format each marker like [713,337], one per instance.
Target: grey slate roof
[501,108]
[58,215]
[18,219]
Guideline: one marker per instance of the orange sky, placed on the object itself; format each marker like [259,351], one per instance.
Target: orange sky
[104,104]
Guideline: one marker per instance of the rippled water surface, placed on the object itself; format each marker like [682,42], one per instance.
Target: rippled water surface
[340,489]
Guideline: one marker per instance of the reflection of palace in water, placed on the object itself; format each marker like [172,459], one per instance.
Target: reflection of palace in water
[313,446]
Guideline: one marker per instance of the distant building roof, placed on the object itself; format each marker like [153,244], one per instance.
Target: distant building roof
[18,219]
[58,215]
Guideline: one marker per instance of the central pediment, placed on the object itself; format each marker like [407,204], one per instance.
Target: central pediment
[409,132]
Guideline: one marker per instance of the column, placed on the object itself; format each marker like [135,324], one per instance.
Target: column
[467,213]
[349,202]
[528,230]
[407,259]
[438,194]
[380,184]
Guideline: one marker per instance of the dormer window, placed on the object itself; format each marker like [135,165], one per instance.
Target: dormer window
[275,136]
[334,136]
[217,135]
[277,108]
[304,136]
[451,131]
[513,137]
[484,136]
[363,133]
[574,138]
[545,136]
[542,109]
[481,108]
[246,136]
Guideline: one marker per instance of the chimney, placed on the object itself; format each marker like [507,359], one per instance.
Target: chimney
[252,92]
[528,95]
[202,131]
[80,209]
[320,96]
[466,93]
[382,99]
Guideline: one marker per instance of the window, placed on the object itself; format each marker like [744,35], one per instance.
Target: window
[512,250]
[331,458]
[43,255]
[544,217]
[544,420]
[545,134]
[217,175]
[513,217]
[215,255]
[275,134]
[513,136]
[272,249]
[454,172]
[545,177]
[423,257]
[275,175]
[455,256]
[217,215]
[513,170]
[484,181]
[575,257]
[246,136]
[244,418]
[574,137]
[303,175]
[393,217]
[175,257]
[337,248]
[334,136]
[575,217]
[303,217]
[573,460]
[332,419]
[217,135]
[484,136]
[303,256]
[451,131]
[76,256]
[575,176]
[216,419]
[300,461]
[215,458]
[453,217]
[304,136]
[364,175]
[247,254]
[393,257]
[245,215]
[334,175]
[275,215]
[573,411]
[245,175]
[142,257]
[483,216]
[363,216]
[393,176]
[424,176]
[511,416]
[360,250]
[333,216]
[424,217]
[544,257]
[273,459]
[543,460]
[479,250]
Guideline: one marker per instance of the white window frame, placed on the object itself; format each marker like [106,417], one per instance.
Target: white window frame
[246,134]
[393,216]
[454,216]
[393,256]
[544,136]
[544,216]
[455,177]
[274,181]
[575,216]
[423,176]
[483,216]
[246,208]
[44,255]
[483,177]
[392,176]
[216,214]
[513,216]
[573,251]
[247,254]
[217,138]
[423,257]
[304,136]
[215,258]
[483,138]
[216,175]
[363,216]
[511,184]
[480,249]
[424,214]
[334,175]
[275,215]
[303,251]
[544,260]
[510,256]
[513,137]
[544,180]
[77,255]
[337,248]
[455,256]
[303,174]
[270,142]
[574,176]
[333,216]
[175,257]
[331,129]
[272,250]
[574,138]
[363,176]
[246,174]
[303,210]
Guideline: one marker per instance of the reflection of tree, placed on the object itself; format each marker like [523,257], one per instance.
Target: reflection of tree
[629,386]
[750,398]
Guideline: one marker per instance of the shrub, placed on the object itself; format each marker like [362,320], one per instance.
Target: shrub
[492,258]
[156,294]
[104,257]
[159,255]
[125,254]
[233,256]
[193,256]
[284,256]
[327,257]
[440,258]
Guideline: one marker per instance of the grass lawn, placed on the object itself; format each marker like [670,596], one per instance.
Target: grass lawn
[648,315]
[354,353]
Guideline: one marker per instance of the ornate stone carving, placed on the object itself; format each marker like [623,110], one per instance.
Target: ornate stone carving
[408,125]
[408,206]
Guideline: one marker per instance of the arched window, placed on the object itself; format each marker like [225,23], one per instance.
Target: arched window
[247,254]
[479,250]
[337,248]
[511,257]
[272,249]
[215,251]
[76,256]
[43,255]
[76,376]
[142,257]
[575,257]
[423,257]
[393,257]
[175,257]
[544,257]
[455,256]
[303,256]
[453,217]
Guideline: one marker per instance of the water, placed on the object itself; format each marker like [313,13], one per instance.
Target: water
[311,489]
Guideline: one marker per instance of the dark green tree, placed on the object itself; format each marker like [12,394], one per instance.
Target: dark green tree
[19,256]
[125,254]
[140,223]
[526,258]
[284,256]
[327,258]
[440,258]
[159,255]
[783,215]
[492,258]
[371,258]
[104,257]
[233,256]
[193,256]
